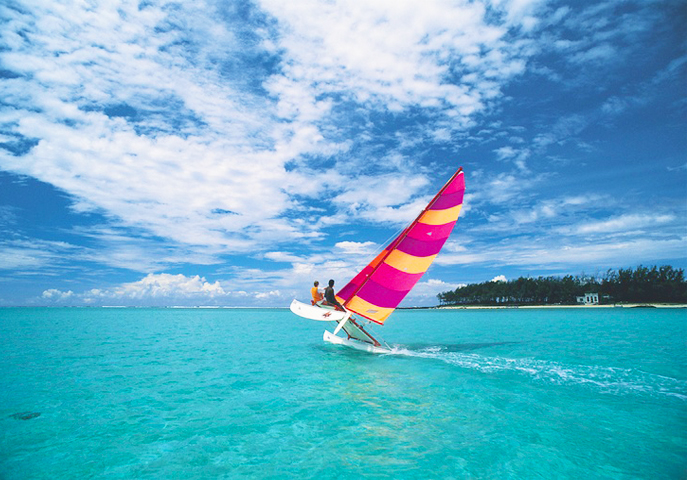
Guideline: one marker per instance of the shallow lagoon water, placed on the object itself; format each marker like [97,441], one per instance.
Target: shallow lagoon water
[245,393]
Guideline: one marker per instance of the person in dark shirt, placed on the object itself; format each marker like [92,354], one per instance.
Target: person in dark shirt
[330,298]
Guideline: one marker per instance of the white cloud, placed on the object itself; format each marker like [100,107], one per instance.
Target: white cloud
[564,128]
[153,289]
[167,285]
[678,168]
[268,295]
[390,55]
[623,223]
[553,210]
[170,180]
[356,248]
[32,255]
[57,295]
[566,254]
[562,233]
[193,144]
[384,198]
[597,53]
[380,191]
[499,278]
[517,155]
[135,127]
[614,106]
[283,257]
[167,289]
[505,152]
[502,188]
[243,287]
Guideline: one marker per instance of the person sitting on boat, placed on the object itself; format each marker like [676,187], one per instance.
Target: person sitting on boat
[330,298]
[316,293]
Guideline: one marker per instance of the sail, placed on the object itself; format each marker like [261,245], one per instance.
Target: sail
[378,289]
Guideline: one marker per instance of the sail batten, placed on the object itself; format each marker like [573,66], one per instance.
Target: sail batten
[381,286]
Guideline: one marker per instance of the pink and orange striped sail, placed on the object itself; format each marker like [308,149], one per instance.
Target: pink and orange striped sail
[378,289]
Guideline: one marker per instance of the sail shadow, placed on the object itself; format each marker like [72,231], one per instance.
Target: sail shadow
[450,347]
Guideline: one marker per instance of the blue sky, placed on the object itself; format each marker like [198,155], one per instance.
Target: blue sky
[230,153]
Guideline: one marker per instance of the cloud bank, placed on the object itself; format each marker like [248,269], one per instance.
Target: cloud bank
[278,141]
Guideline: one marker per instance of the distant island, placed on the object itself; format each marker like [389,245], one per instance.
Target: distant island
[642,285]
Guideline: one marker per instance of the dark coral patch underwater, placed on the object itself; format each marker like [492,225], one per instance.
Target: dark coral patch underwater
[25,415]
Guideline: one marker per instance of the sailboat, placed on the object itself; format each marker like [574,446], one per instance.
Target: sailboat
[375,292]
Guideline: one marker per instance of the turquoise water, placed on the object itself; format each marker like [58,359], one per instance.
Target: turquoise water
[223,393]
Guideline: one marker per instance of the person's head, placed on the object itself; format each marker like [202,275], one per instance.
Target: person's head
[316,283]
[331,283]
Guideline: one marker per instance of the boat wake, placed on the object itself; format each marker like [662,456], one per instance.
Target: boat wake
[618,381]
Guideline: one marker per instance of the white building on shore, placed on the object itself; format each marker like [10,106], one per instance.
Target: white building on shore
[589,299]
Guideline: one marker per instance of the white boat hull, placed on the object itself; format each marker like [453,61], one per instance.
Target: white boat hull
[365,347]
[358,337]
[312,312]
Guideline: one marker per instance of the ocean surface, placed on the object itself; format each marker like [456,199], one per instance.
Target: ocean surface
[245,393]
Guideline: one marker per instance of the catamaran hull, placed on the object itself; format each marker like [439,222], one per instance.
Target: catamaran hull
[358,337]
[365,347]
[312,312]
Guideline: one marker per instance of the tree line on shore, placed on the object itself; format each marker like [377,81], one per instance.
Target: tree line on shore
[663,284]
